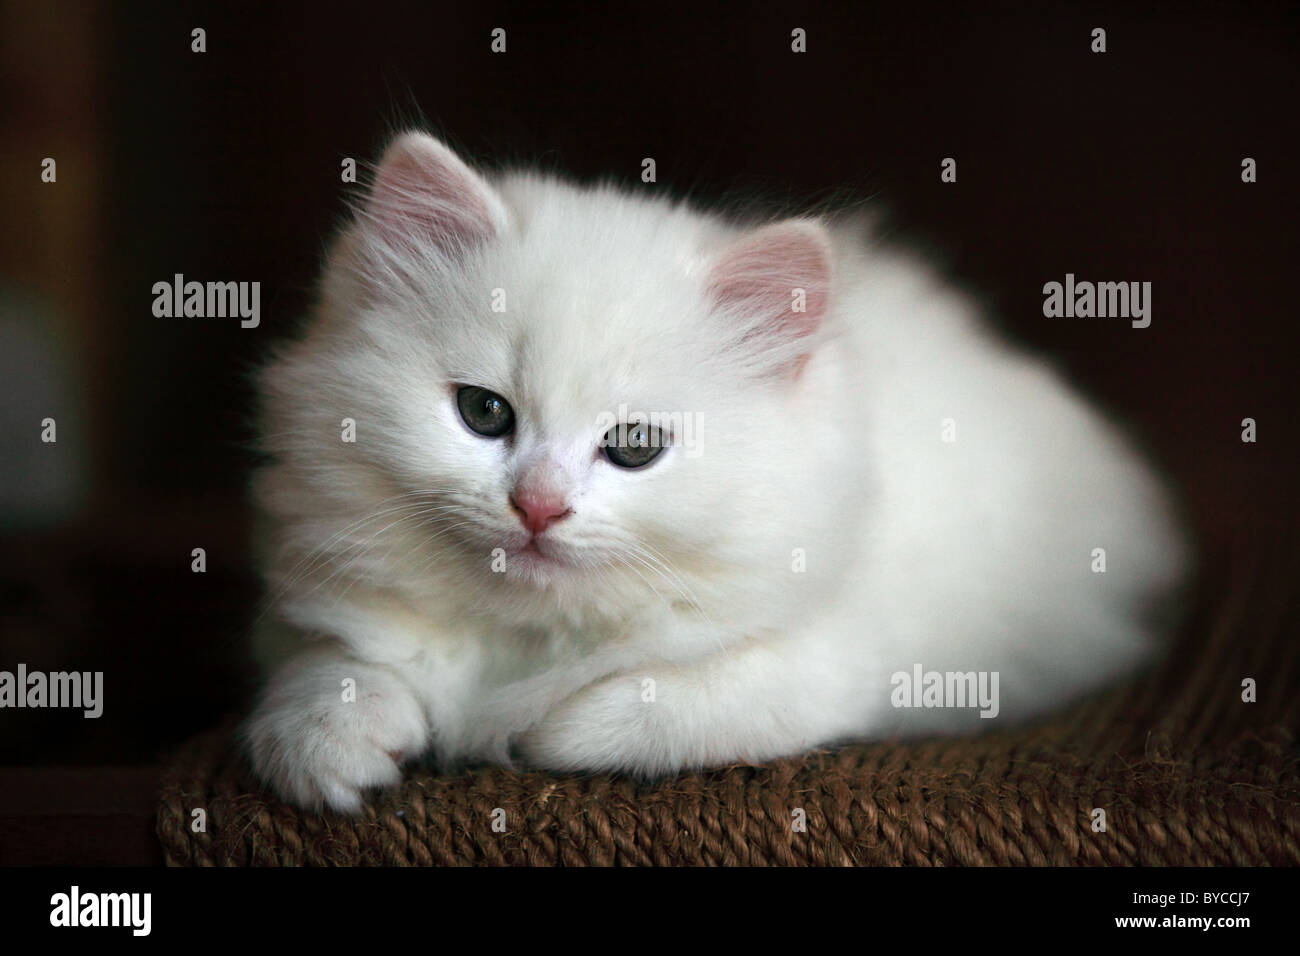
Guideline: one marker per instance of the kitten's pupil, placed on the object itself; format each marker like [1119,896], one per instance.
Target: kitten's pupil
[485,412]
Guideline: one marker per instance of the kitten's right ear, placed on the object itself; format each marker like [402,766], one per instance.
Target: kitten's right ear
[423,193]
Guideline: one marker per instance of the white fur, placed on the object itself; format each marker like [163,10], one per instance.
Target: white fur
[966,555]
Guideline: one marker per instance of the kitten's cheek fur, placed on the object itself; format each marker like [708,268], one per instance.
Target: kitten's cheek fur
[317,748]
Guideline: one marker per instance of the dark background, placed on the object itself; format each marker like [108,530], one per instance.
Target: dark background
[225,166]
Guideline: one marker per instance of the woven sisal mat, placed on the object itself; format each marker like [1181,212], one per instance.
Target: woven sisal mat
[1184,770]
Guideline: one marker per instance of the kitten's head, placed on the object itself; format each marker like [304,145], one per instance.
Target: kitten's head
[574,396]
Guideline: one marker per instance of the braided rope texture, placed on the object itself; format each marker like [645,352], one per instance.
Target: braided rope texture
[1187,774]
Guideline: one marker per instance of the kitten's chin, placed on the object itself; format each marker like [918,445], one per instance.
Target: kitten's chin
[537,564]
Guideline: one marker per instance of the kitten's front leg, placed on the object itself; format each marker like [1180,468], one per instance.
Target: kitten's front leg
[329,726]
[746,704]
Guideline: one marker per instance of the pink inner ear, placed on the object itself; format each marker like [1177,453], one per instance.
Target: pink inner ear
[423,190]
[757,277]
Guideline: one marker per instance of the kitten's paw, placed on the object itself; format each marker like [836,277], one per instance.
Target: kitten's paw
[608,726]
[328,728]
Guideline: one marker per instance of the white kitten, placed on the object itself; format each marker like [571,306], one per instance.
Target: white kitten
[481,575]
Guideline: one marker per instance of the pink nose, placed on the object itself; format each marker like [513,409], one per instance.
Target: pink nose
[537,511]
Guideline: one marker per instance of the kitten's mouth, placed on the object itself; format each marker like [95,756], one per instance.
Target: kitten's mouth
[537,556]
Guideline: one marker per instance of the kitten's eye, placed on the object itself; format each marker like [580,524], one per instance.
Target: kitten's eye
[485,412]
[633,445]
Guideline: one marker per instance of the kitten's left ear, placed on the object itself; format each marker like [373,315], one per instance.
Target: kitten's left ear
[424,193]
[773,285]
